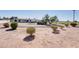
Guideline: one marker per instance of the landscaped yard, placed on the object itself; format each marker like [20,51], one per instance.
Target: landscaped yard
[43,38]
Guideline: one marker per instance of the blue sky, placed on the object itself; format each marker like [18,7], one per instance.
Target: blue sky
[62,15]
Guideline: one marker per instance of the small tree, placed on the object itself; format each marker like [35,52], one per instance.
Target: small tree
[54,19]
[46,18]
[30,30]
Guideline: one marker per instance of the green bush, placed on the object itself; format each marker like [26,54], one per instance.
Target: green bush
[6,25]
[14,25]
[73,24]
[30,30]
[54,28]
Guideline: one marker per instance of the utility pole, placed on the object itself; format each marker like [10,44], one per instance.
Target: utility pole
[73,15]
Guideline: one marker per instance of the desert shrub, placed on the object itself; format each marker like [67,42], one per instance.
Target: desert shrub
[30,30]
[6,25]
[61,27]
[62,23]
[73,24]
[54,22]
[41,23]
[78,23]
[55,29]
[66,24]
[14,25]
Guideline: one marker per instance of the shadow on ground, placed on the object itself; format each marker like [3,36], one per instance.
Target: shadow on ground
[9,30]
[29,38]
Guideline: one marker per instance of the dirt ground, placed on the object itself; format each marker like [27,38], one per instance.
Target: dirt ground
[43,38]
